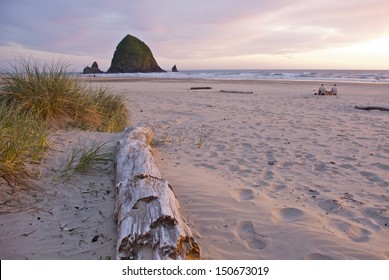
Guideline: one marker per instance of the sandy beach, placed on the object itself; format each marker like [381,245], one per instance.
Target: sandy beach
[276,174]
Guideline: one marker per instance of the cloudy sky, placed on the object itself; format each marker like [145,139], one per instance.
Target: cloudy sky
[202,34]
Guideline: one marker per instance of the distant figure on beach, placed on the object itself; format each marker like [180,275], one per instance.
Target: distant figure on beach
[334,90]
[322,90]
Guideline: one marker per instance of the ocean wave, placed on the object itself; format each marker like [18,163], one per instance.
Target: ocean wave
[362,76]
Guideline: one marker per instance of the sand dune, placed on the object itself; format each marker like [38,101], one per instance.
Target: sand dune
[62,217]
[277,174]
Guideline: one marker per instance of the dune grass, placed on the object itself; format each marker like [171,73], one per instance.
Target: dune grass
[61,100]
[38,96]
[82,159]
[23,139]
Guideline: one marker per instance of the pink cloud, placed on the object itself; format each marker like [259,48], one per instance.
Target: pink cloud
[182,29]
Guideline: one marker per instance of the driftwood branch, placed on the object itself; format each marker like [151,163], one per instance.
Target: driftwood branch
[236,91]
[150,225]
[372,108]
[196,88]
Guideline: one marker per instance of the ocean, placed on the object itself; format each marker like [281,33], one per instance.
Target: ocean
[359,76]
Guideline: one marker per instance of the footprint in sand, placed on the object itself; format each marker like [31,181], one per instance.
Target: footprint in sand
[243,194]
[234,168]
[245,231]
[374,178]
[355,233]
[287,215]
[378,216]
[329,205]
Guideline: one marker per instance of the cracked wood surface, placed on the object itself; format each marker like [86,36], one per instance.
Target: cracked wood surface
[150,225]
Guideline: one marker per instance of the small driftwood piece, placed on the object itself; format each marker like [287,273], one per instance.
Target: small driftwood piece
[150,225]
[372,108]
[237,91]
[196,88]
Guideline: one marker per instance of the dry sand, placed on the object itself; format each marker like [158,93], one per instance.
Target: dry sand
[277,174]
[60,215]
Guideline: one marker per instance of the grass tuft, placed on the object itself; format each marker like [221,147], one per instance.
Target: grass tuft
[37,96]
[203,137]
[61,100]
[81,160]
[23,139]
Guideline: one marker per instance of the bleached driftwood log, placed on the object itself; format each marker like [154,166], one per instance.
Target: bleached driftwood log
[150,225]
[237,91]
[372,108]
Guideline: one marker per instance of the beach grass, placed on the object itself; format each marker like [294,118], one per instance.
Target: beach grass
[61,100]
[203,137]
[82,159]
[35,97]
[23,140]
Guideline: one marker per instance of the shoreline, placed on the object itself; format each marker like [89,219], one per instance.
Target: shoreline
[279,174]
[314,75]
[101,79]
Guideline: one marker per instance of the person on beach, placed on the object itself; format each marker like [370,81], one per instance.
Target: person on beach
[334,90]
[322,90]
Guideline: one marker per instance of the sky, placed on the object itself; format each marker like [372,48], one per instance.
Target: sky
[201,34]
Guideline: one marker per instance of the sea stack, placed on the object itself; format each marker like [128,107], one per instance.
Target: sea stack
[174,69]
[132,56]
[92,70]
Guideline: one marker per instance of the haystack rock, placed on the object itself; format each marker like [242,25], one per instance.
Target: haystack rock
[131,56]
[92,70]
[174,69]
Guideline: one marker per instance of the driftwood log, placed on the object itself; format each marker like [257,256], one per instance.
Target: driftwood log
[150,225]
[372,108]
[197,88]
[237,91]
